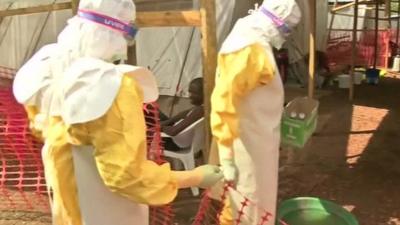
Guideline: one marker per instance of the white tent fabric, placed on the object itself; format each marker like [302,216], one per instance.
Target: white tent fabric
[163,50]
[21,36]
[298,44]
[174,54]
[365,20]
[346,22]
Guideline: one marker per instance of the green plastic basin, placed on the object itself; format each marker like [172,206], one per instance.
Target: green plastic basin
[313,211]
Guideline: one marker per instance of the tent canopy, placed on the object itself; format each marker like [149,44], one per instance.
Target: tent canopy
[173,53]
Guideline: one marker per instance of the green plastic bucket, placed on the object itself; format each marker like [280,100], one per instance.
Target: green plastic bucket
[313,211]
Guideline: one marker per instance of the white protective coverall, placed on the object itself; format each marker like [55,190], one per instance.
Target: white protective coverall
[89,112]
[247,105]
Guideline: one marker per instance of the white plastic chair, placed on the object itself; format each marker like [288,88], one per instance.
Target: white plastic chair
[192,141]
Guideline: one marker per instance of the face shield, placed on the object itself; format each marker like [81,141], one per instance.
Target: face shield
[284,14]
[279,24]
[128,29]
[102,29]
[280,18]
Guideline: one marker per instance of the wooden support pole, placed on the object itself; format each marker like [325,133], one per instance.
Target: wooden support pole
[364,17]
[36,9]
[313,12]
[398,24]
[350,5]
[132,59]
[388,14]
[388,5]
[387,50]
[359,30]
[376,33]
[354,51]
[144,19]
[75,6]
[209,58]
[8,8]
[333,14]
[338,8]
[169,19]
[387,8]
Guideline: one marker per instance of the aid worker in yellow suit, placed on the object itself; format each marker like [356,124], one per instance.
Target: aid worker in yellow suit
[247,105]
[89,113]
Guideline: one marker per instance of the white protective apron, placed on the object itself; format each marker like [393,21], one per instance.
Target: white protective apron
[257,151]
[100,206]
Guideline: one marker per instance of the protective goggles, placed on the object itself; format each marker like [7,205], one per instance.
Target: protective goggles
[128,29]
[278,22]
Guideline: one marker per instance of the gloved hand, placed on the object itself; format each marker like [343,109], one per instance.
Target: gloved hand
[209,174]
[229,168]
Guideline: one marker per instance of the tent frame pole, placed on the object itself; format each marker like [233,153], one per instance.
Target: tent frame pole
[398,23]
[75,6]
[311,73]
[354,51]
[209,58]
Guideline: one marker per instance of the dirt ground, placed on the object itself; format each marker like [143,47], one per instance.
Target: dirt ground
[353,159]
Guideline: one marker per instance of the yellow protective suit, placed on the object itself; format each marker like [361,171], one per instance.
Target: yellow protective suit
[242,72]
[118,138]
[247,103]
